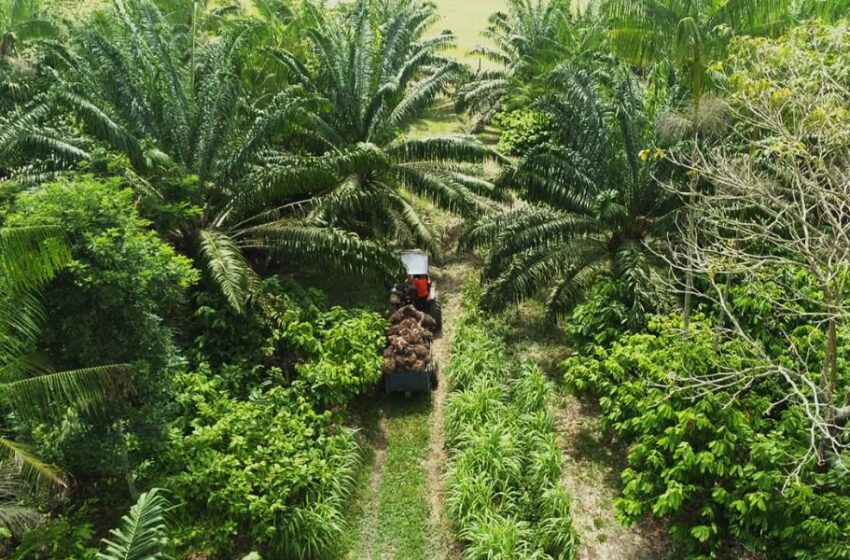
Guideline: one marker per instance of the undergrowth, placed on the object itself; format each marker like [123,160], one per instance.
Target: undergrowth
[503,481]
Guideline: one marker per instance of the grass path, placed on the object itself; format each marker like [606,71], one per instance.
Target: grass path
[398,513]
[389,517]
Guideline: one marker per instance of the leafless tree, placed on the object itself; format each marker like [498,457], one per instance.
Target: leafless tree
[778,199]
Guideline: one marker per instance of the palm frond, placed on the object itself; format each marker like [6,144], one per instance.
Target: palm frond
[18,519]
[422,232]
[227,267]
[325,248]
[31,256]
[102,124]
[454,148]
[141,535]
[49,394]
[440,190]
[571,287]
[21,318]
[31,468]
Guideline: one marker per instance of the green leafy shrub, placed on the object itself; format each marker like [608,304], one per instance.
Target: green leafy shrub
[111,304]
[346,357]
[605,314]
[62,538]
[271,467]
[504,493]
[331,355]
[524,129]
[256,450]
[718,464]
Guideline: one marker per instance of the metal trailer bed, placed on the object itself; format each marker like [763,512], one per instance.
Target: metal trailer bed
[408,382]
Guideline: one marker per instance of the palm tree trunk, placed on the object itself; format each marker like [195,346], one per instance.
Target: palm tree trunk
[194,25]
[686,306]
[689,275]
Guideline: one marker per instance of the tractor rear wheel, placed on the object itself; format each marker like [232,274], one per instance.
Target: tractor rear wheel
[436,311]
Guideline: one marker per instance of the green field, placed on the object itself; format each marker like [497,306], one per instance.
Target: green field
[467,18]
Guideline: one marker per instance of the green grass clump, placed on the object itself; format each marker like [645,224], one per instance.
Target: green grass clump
[503,482]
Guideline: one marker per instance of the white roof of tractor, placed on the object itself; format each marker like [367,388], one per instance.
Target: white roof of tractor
[416,262]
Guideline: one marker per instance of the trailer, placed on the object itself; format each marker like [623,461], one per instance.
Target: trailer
[409,382]
[409,363]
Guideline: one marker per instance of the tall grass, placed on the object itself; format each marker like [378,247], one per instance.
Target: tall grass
[503,481]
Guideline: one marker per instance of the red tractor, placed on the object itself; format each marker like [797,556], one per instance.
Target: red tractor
[418,289]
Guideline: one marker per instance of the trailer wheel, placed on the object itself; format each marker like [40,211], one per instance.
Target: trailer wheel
[436,311]
[435,378]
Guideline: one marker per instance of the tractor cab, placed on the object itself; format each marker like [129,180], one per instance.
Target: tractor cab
[418,289]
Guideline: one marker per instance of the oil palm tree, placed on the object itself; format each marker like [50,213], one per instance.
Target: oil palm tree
[29,388]
[526,41]
[380,72]
[131,90]
[690,33]
[593,207]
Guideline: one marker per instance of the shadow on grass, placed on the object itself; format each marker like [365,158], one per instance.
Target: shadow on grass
[531,336]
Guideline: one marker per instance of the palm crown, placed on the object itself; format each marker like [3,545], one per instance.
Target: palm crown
[126,83]
[594,209]
[524,40]
[378,78]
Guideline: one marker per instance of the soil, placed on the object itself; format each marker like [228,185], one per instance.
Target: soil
[449,281]
[592,467]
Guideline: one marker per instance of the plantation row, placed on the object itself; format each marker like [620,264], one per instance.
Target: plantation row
[503,480]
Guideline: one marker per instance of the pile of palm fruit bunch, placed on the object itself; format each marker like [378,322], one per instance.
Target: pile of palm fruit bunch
[409,341]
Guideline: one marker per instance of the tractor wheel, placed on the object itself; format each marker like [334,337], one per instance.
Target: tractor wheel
[436,312]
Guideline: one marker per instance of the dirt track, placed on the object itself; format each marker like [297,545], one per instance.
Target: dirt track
[450,281]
